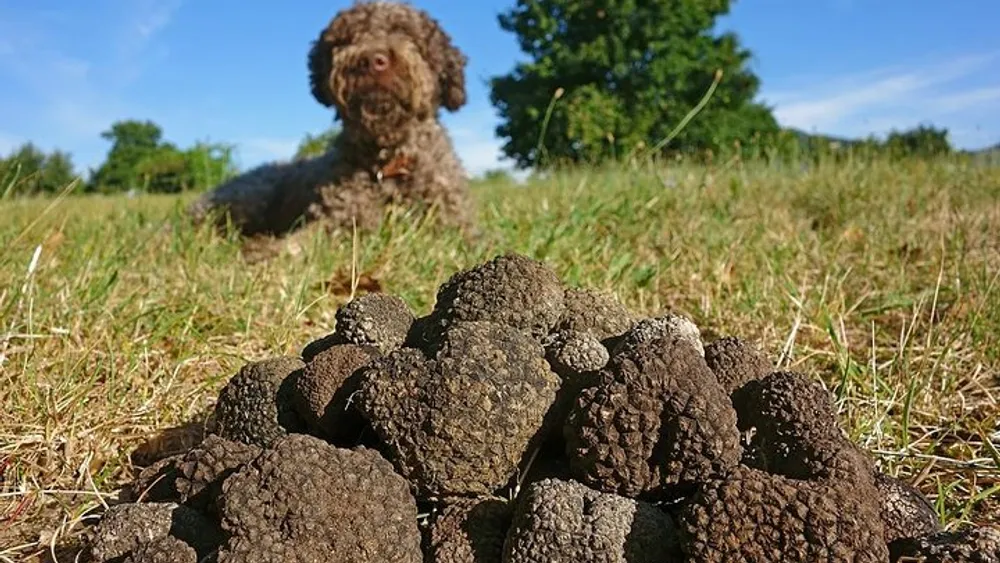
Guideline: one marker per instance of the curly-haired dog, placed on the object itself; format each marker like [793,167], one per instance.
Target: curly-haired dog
[386,68]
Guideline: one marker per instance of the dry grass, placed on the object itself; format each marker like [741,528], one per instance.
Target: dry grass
[119,321]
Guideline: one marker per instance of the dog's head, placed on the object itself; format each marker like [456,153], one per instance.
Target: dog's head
[382,64]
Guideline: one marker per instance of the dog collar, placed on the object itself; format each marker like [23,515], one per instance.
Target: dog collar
[399,165]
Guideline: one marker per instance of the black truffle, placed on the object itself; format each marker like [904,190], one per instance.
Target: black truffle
[657,424]
[511,289]
[906,513]
[379,320]
[322,393]
[755,516]
[567,521]
[971,545]
[306,500]
[594,312]
[735,362]
[647,330]
[469,530]
[573,354]
[124,528]
[255,406]
[165,550]
[459,424]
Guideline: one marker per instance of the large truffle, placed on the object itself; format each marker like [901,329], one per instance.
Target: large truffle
[794,429]
[124,528]
[469,530]
[255,406]
[906,513]
[735,361]
[322,393]
[657,424]
[379,320]
[971,545]
[594,312]
[306,500]
[460,423]
[511,289]
[567,521]
[755,516]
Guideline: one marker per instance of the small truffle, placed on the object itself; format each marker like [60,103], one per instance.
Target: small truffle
[321,394]
[255,406]
[511,289]
[651,329]
[469,530]
[736,361]
[906,513]
[567,521]
[201,472]
[572,353]
[125,527]
[657,424]
[305,500]
[166,550]
[379,320]
[755,516]
[459,424]
[971,545]
[597,313]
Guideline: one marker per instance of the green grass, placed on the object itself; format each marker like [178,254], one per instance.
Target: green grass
[879,278]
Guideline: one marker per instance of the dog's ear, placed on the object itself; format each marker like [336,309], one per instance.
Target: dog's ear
[449,62]
[320,62]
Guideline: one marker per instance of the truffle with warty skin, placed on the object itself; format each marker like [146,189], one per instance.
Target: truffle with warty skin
[322,392]
[255,406]
[751,515]
[306,500]
[461,422]
[969,545]
[511,290]
[657,424]
[469,530]
[594,312]
[567,521]
[906,513]
[735,362]
[165,550]
[379,320]
[573,354]
[123,528]
[649,329]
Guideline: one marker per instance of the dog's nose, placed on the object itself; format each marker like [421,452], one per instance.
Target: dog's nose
[379,62]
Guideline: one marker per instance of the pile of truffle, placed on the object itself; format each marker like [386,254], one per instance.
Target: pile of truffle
[520,421]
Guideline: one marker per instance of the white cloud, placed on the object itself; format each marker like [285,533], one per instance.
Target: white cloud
[472,132]
[8,143]
[892,98]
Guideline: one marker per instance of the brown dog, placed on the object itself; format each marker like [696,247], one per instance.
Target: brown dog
[386,68]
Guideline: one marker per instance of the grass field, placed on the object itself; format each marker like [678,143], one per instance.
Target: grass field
[119,320]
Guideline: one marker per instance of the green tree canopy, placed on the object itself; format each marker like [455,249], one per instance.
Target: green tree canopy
[140,160]
[628,71]
[30,171]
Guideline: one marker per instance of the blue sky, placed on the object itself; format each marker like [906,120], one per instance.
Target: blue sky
[235,71]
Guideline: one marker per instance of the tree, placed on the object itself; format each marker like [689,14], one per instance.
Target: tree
[607,77]
[140,160]
[921,141]
[315,145]
[131,142]
[30,171]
